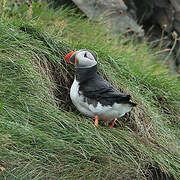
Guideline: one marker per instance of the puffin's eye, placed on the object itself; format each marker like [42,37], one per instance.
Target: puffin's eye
[85,55]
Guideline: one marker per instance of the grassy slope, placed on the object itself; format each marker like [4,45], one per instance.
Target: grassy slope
[40,140]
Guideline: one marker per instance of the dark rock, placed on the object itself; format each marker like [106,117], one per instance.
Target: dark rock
[162,3]
[164,16]
[176,5]
[94,8]
[132,9]
[114,13]
[160,18]
[177,22]
[123,24]
[145,9]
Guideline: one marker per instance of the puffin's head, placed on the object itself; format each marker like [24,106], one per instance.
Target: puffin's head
[82,58]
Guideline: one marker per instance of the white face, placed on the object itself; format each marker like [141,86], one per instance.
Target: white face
[85,59]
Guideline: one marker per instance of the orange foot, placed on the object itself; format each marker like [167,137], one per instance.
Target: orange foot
[96,120]
[112,123]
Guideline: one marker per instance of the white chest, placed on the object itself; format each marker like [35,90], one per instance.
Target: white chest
[78,99]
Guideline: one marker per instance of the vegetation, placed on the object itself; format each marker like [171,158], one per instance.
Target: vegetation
[42,136]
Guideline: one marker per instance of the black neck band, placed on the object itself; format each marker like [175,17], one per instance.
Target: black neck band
[84,74]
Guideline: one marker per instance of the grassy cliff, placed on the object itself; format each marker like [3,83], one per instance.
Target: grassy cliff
[42,135]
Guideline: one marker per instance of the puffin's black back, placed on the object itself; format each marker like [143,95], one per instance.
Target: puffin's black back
[95,87]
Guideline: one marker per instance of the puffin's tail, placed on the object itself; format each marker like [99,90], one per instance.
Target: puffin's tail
[132,104]
[128,97]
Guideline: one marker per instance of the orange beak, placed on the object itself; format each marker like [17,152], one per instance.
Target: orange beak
[68,56]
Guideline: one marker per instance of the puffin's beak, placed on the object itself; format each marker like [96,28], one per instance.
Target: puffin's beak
[69,57]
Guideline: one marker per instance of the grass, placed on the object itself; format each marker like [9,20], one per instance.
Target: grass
[42,136]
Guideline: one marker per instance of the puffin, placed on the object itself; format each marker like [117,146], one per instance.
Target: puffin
[91,94]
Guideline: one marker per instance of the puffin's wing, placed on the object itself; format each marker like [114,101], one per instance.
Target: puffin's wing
[101,90]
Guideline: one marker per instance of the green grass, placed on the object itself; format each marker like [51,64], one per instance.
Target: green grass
[42,136]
